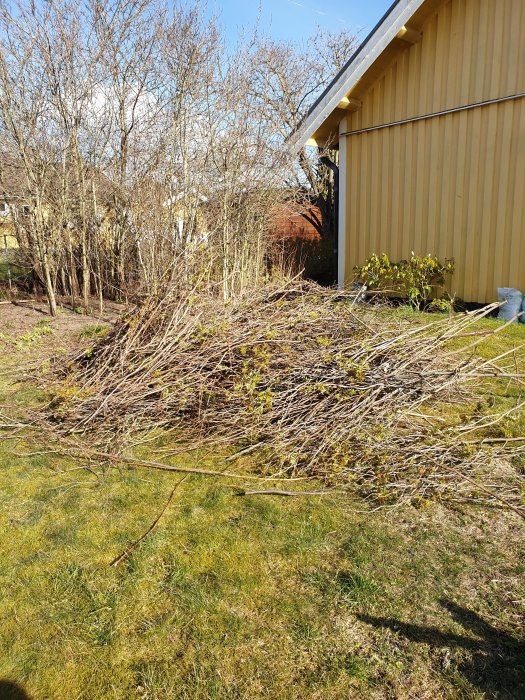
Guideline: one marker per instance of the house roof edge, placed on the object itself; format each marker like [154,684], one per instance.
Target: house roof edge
[375,43]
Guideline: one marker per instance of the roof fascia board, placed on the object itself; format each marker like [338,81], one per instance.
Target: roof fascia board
[367,53]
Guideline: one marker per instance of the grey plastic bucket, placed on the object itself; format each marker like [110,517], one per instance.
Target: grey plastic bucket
[513,299]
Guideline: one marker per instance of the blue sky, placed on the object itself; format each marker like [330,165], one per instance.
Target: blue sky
[295,20]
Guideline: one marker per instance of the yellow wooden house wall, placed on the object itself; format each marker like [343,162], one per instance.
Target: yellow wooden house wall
[452,185]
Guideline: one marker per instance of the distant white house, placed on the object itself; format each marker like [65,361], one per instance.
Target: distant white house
[186,207]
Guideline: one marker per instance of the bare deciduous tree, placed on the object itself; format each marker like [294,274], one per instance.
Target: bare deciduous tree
[144,148]
[285,81]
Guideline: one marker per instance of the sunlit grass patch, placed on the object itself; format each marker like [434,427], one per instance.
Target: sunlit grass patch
[35,336]
[94,331]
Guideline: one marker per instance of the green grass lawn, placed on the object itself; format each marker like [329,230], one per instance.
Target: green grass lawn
[239,598]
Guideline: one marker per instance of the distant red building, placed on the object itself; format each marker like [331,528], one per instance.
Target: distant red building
[287,222]
[297,244]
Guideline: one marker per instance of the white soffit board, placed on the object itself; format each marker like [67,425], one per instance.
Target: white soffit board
[372,47]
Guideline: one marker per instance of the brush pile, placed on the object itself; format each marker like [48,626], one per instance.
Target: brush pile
[306,380]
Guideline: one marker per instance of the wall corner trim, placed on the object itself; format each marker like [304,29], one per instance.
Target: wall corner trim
[341,243]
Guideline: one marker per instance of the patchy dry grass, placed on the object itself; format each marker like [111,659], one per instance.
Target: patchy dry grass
[232,598]
[510,339]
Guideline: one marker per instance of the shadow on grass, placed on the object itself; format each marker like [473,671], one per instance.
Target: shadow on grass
[496,663]
[9,690]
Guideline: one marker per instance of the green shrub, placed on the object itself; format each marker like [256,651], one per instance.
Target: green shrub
[36,335]
[443,304]
[94,331]
[416,279]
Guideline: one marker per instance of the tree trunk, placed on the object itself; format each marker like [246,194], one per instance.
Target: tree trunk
[50,292]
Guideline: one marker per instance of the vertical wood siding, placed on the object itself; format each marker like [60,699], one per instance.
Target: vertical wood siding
[452,185]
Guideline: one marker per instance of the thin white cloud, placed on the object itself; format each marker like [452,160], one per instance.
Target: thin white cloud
[321,13]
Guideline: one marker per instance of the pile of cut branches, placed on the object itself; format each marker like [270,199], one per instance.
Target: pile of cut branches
[308,382]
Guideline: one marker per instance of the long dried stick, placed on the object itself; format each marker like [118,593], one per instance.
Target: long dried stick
[131,548]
